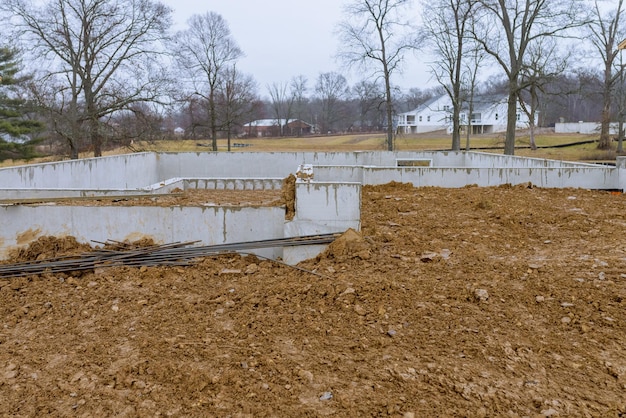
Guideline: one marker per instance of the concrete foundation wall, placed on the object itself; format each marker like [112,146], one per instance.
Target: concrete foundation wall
[116,172]
[329,203]
[322,208]
[22,224]
[138,171]
[488,160]
[234,184]
[589,178]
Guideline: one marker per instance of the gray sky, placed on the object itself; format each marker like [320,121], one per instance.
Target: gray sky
[282,39]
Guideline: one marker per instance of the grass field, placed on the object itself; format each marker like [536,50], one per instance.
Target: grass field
[372,142]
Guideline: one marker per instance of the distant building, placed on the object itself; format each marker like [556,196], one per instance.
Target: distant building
[271,128]
[488,116]
[587,128]
[179,131]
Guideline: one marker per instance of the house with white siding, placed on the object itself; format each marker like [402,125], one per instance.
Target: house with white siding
[488,116]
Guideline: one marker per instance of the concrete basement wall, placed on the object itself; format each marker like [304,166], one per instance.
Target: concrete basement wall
[330,203]
[602,178]
[234,184]
[322,208]
[22,224]
[136,171]
[116,172]
[489,160]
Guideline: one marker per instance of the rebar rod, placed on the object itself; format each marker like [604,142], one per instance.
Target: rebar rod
[168,254]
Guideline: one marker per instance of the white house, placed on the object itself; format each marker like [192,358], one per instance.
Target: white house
[434,115]
[488,116]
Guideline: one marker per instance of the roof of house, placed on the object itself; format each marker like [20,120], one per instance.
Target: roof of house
[480,103]
[270,122]
[426,105]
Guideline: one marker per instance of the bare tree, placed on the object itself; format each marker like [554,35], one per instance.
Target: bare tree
[447,24]
[416,97]
[508,28]
[369,97]
[205,52]
[605,34]
[332,89]
[100,53]
[282,104]
[544,63]
[298,90]
[374,37]
[236,100]
[469,86]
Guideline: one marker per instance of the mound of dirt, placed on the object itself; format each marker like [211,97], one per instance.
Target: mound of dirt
[289,196]
[47,247]
[474,302]
[350,244]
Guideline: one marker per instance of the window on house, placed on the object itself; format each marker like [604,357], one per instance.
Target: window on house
[446,108]
[420,118]
[519,117]
[410,119]
[428,119]
[496,116]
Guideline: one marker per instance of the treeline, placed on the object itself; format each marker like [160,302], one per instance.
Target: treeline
[86,75]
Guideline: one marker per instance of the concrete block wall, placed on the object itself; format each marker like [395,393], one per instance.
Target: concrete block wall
[234,183]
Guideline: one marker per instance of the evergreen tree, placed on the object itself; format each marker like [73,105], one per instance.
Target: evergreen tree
[16,141]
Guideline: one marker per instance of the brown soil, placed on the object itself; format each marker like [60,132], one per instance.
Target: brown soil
[190,197]
[469,302]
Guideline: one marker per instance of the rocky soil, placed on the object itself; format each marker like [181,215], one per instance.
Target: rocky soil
[473,302]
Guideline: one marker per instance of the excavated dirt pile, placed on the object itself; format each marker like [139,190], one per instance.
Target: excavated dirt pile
[473,302]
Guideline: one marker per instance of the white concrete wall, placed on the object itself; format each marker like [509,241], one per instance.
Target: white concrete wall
[489,160]
[117,172]
[583,177]
[234,184]
[331,203]
[322,208]
[148,170]
[22,224]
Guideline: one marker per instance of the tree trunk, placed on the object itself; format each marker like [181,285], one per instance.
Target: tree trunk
[620,137]
[511,123]
[96,139]
[533,145]
[456,131]
[389,109]
[605,119]
[213,118]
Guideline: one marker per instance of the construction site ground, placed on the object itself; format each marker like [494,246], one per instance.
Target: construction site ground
[472,302]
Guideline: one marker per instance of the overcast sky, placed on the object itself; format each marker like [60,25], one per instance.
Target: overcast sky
[282,39]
